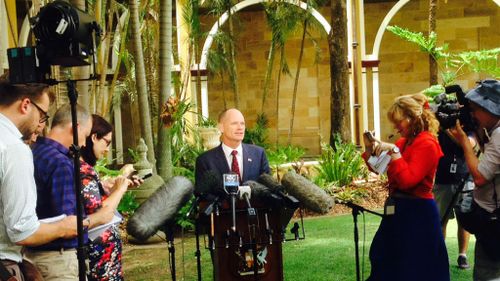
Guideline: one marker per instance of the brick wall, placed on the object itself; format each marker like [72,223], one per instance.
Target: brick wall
[463,24]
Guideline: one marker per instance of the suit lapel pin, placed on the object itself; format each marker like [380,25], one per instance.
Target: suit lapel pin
[249,159]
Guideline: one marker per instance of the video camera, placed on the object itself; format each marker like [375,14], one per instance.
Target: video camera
[449,109]
[65,36]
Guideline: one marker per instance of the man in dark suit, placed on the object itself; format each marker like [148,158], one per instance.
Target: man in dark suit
[249,162]
[246,160]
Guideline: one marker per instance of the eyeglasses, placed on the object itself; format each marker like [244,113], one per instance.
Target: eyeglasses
[108,142]
[44,115]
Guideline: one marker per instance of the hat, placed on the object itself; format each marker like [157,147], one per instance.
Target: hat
[487,96]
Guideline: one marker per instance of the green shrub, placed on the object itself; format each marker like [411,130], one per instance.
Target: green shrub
[128,204]
[181,217]
[258,134]
[348,193]
[287,154]
[340,166]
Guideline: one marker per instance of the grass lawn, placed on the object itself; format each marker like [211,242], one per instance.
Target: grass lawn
[327,253]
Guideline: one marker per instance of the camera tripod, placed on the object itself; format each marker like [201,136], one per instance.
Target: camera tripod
[454,199]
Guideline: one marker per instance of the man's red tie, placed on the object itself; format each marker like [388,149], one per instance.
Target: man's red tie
[235,168]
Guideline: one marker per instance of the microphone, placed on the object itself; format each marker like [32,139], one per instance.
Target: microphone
[287,204]
[210,188]
[231,183]
[260,191]
[160,208]
[312,196]
[210,184]
[245,193]
[272,184]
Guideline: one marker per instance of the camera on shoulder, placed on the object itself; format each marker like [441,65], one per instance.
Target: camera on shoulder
[452,106]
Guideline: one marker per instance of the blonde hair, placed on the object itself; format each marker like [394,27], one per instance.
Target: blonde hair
[415,108]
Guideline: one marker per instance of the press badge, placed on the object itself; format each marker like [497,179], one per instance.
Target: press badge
[453,168]
[389,207]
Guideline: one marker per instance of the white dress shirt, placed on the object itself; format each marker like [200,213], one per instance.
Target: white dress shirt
[229,158]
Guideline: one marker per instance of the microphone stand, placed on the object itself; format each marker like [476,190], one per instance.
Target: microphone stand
[197,235]
[356,210]
[169,234]
[252,216]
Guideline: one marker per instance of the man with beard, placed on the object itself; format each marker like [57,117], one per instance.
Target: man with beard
[23,111]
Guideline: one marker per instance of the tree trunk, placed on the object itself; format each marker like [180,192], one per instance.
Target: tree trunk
[164,145]
[296,82]
[140,74]
[233,70]
[282,61]
[339,71]
[433,67]
[269,72]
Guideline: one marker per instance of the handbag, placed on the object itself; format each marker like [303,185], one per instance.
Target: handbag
[30,271]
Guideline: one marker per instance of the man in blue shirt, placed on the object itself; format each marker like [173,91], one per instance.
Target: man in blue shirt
[54,175]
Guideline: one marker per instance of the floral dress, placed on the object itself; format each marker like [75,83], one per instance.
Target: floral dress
[105,252]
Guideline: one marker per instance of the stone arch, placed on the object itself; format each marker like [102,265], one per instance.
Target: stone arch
[375,54]
[387,19]
[244,4]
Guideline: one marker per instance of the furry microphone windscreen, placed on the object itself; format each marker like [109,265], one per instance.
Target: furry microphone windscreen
[160,208]
[273,184]
[260,191]
[310,195]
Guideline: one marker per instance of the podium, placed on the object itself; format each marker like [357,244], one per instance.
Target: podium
[257,238]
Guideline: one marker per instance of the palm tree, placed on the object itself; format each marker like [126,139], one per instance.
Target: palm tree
[282,22]
[306,18]
[164,146]
[140,73]
[337,44]
[219,7]
[433,66]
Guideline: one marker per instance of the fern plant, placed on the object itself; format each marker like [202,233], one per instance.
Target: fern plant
[452,65]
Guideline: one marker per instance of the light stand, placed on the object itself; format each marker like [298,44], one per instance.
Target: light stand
[75,149]
[356,209]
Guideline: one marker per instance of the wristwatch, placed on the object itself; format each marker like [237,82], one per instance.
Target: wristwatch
[394,150]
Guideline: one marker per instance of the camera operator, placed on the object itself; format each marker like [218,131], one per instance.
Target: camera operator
[485,107]
[451,170]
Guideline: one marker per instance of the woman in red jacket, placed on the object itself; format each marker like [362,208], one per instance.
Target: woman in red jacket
[409,244]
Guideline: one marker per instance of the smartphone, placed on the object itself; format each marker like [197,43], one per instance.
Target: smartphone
[135,173]
[369,136]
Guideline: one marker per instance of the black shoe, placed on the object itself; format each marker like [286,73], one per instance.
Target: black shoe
[462,262]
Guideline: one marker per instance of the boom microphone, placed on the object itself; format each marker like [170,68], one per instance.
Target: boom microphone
[160,208]
[287,204]
[270,182]
[311,196]
[260,191]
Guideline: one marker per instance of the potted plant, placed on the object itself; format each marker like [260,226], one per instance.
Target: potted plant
[209,133]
